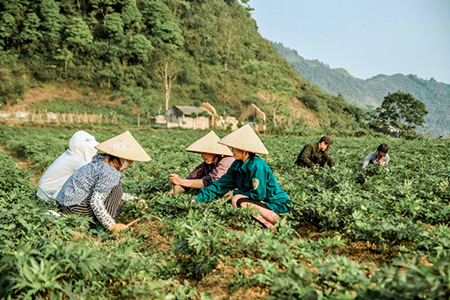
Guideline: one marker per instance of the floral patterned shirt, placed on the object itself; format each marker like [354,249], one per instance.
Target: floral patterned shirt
[95,180]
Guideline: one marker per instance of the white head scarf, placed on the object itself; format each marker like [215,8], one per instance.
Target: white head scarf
[80,152]
[82,143]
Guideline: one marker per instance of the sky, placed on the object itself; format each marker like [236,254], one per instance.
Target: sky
[365,37]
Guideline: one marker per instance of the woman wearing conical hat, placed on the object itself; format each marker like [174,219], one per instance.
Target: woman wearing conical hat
[216,161]
[249,179]
[95,190]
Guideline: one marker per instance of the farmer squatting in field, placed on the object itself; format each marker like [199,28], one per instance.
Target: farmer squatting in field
[216,161]
[379,157]
[249,180]
[314,155]
[95,190]
[80,152]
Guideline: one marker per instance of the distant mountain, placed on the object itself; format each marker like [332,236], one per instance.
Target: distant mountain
[435,95]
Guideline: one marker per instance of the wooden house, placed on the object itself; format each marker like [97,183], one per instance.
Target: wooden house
[187,117]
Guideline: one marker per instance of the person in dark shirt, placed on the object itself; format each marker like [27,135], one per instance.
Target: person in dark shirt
[314,155]
[216,161]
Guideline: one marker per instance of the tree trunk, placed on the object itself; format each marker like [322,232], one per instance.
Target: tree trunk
[167,83]
[274,117]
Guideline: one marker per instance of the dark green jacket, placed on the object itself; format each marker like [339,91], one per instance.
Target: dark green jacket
[312,155]
[253,179]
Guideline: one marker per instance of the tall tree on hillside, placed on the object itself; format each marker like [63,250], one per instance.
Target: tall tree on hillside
[160,24]
[402,111]
[79,35]
[167,65]
[30,34]
[140,47]
[52,24]
[113,27]
[131,17]
[8,28]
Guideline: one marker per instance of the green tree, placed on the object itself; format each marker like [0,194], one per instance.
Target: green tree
[131,17]
[78,34]
[30,34]
[52,24]
[140,47]
[160,23]
[166,62]
[402,111]
[8,28]
[113,27]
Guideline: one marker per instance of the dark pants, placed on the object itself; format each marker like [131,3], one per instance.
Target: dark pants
[113,204]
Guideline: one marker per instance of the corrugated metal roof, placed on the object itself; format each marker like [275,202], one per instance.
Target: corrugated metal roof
[188,110]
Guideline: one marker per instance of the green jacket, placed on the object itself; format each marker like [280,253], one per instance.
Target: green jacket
[312,155]
[253,179]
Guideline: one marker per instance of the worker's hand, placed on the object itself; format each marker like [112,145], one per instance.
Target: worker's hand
[118,227]
[382,163]
[333,168]
[228,195]
[175,179]
[143,203]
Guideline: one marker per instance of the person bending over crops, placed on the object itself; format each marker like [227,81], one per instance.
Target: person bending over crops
[80,152]
[314,155]
[216,161]
[379,157]
[95,190]
[249,180]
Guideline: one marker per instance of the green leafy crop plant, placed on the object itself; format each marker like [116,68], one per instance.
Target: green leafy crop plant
[350,234]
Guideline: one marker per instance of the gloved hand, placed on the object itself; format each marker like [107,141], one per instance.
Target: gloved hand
[118,227]
[228,195]
[143,203]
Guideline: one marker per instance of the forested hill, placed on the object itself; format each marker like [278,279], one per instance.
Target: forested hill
[435,95]
[157,54]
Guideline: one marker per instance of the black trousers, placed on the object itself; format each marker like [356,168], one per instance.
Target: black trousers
[113,204]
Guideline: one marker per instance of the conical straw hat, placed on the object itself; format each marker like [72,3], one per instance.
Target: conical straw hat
[244,139]
[208,144]
[124,146]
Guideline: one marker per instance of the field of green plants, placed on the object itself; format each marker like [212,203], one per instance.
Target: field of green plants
[349,235]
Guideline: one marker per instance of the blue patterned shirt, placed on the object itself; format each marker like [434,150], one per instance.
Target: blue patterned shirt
[97,179]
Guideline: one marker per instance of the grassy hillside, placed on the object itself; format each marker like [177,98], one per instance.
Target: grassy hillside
[155,54]
[435,95]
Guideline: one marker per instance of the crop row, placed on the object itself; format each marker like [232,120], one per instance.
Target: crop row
[400,217]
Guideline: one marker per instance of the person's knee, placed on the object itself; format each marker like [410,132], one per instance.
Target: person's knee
[237,200]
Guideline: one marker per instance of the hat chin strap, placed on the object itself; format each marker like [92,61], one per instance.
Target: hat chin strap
[246,155]
[125,165]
